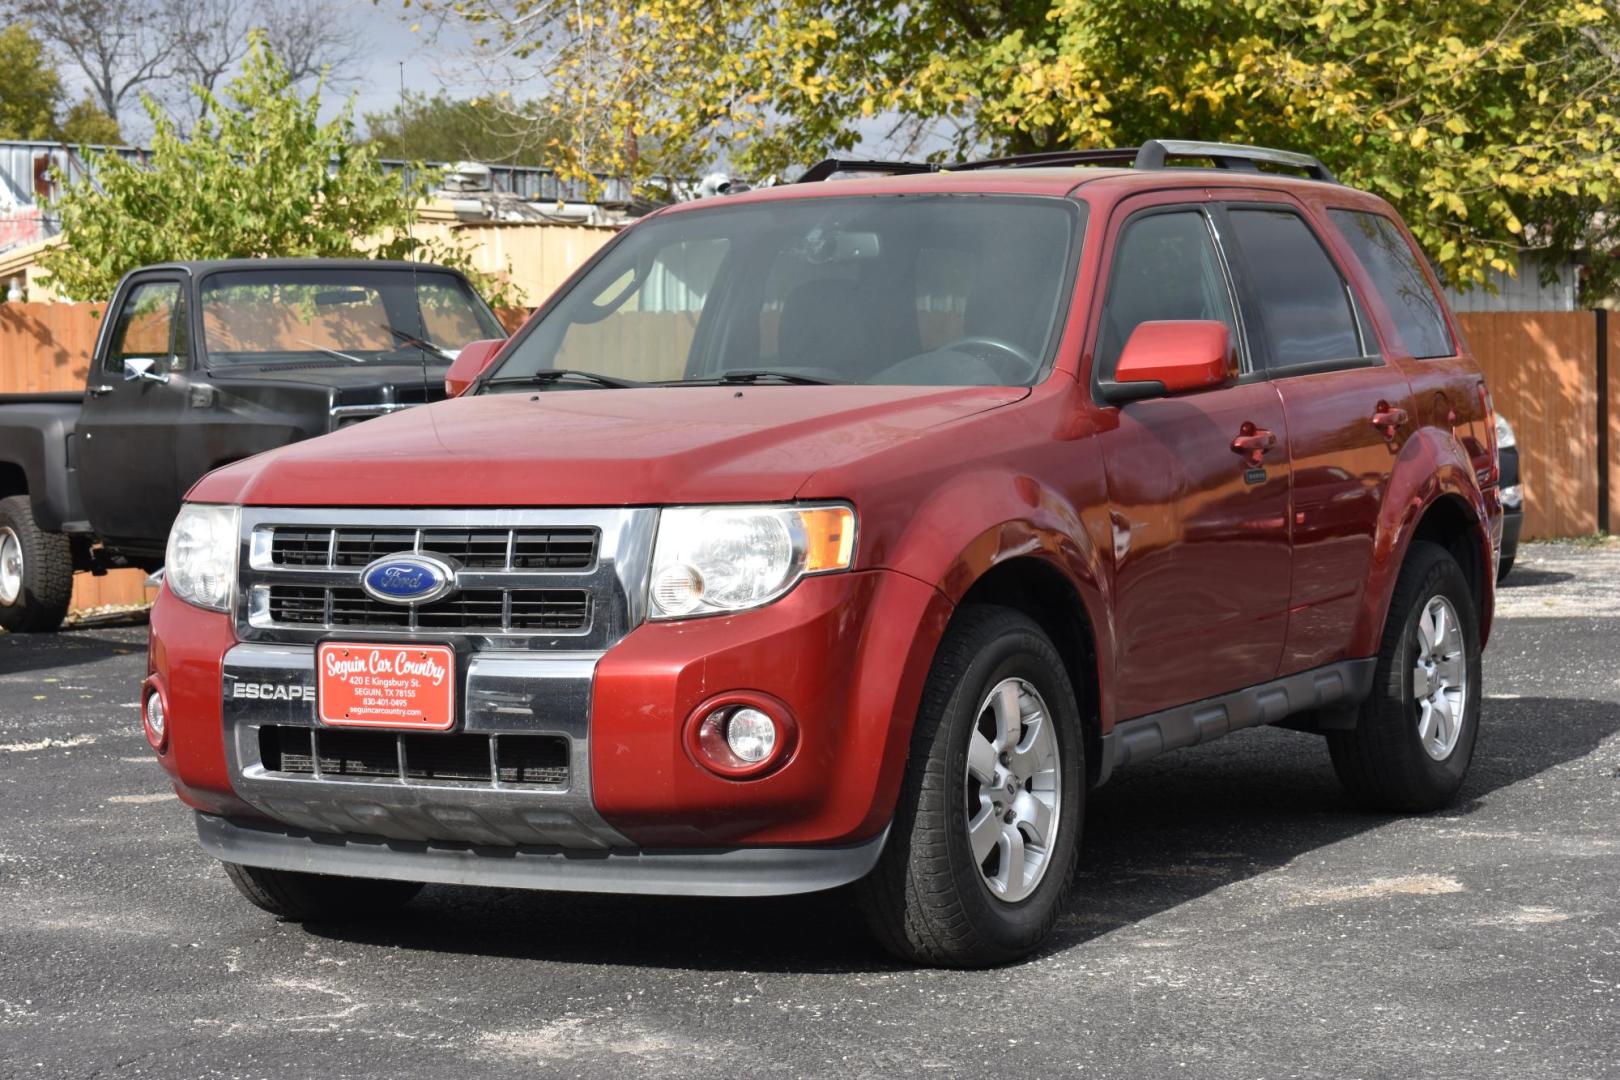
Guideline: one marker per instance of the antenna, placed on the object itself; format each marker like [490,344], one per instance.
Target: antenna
[421,329]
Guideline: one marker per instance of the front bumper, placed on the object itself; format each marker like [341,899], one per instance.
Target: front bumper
[760,871]
[1512,525]
[846,653]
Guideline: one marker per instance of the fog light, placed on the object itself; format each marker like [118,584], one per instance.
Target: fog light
[1513,496]
[156,720]
[751,735]
[741,735]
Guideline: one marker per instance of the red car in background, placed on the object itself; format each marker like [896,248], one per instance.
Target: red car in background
[852,532]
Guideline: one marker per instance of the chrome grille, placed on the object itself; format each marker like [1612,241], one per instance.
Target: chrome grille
[499,610]
[552,579]
[498,549]
[526,760]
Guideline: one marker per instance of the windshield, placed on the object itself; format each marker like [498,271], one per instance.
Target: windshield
[340,316]
[900,290]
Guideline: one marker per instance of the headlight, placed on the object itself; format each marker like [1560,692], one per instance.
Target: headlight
[1504,433]
[727,558]
[200,566]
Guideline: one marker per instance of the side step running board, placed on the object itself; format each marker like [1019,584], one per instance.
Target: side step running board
[1347,682]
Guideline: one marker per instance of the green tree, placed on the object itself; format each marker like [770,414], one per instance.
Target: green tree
[438,127]
[85,124]
[259,176]
[1492,124]
[30,88]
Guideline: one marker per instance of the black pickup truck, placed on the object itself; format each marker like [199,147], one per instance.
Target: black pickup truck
[197,365]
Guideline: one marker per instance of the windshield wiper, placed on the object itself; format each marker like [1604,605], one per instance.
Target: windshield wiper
[420,343]
[333,352]
[753,376]
[555,375]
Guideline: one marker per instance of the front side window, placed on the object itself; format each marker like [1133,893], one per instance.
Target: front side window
[884,290]
[1304,304]
[1166,267]
[340,316]
[1397,275]
[150,326]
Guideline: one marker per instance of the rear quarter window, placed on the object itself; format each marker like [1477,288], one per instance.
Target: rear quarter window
[1395,272]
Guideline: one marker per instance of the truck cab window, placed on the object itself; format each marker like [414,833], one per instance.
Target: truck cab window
[151,325]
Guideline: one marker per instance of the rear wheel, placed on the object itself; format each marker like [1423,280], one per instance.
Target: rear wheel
[36,571]
[294,895]
[1414,738]
[987,829]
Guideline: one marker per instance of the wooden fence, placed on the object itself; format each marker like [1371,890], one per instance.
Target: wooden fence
[1543,369]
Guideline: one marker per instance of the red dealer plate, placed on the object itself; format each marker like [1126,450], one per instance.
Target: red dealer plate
[386,686]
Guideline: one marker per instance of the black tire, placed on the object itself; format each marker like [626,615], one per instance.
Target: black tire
[291,894]
[1503,565]
[47,572]
[1382,761]
[927,900]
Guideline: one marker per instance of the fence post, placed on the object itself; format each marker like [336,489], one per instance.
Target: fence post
[1604,405]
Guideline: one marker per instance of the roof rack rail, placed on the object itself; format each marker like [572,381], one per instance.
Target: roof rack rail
[1239,156]
[1123,155]
[1152,154]
[828,168]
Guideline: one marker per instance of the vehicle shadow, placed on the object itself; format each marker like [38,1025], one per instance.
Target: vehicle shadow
[21,653]
[1158,836]
[1528,577]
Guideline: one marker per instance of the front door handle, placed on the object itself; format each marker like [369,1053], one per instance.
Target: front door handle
[1253,442]
[99,390]
[1388,420]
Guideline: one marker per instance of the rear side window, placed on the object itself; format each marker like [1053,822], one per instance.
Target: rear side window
[1166,267]
[1398,276]
[1303,302]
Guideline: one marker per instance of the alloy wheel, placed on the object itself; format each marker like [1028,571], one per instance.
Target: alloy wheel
[11,567]
[1013,789]
[1440,678]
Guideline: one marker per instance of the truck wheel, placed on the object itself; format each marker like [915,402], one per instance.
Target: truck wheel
[985,836]
[291,894]
[1414,737]
[1503,565]
[36,571]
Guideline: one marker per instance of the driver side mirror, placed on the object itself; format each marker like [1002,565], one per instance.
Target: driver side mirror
[470,363]
[1173,356]
[137,368]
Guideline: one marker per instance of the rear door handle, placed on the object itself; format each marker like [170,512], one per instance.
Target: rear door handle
[1389,421]
[1253,442]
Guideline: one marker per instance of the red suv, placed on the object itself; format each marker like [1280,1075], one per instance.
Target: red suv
[852,532]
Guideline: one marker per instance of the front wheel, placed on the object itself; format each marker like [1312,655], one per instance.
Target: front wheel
[1414,737]
[987,829]
[36,571]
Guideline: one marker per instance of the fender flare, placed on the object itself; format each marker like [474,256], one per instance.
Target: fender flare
[34,440]
[1432,467]
[1015,518]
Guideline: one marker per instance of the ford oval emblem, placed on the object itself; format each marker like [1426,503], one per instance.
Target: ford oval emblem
[408,578]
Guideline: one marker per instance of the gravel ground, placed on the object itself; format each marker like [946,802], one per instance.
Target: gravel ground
[1234,918]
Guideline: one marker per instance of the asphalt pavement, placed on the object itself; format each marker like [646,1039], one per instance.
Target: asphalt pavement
[1234,917]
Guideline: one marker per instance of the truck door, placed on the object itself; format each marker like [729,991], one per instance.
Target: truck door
[1200,522]
[1349,412]
[135,398]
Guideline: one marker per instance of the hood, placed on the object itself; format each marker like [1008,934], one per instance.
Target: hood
[658,445]
[331,376]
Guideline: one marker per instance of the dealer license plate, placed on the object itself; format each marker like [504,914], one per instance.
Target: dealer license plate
[386,686]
